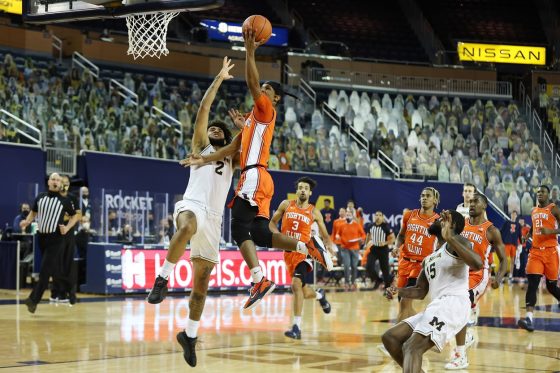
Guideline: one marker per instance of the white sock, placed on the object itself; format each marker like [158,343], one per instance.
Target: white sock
[257,274]
[166,269]
[192,328]
[461,350]
[318,295]
[297,321]
[530,315]
[301,248]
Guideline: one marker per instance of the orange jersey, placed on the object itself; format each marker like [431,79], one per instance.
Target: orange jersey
[477,235]
[351,234]
[296,223]
[418,243]
[255,184]
[542,218]
[336,230]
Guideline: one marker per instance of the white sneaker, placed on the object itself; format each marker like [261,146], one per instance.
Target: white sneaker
[458,362]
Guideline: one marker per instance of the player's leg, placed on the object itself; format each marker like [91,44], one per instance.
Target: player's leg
[405,305]
[413,349]
[314,247]
[551,273]
[186,223]
[187,338]
[298,285]
[393,340]
[535,269]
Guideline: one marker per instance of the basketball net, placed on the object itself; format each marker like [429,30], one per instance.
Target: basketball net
[147,34]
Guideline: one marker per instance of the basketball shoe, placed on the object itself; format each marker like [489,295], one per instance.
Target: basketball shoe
[158,292]
[258,291]
[526,324]
[294,333]
[189,347]
[317,251]
[457,362]
[325,305]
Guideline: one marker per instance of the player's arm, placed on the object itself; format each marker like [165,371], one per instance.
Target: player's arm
[323,230]
[402,232]
[418,291]
[556,213]
[459,244]
[527,236]
[251,71]
[273,224]
[495,239]
[226,151]
[200,137]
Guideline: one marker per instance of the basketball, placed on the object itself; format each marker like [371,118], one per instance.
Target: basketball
[261,25]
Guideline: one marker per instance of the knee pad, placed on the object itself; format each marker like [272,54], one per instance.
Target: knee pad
[240,230]
[260,232]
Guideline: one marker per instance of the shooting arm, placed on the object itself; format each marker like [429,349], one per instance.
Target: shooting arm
[495,238]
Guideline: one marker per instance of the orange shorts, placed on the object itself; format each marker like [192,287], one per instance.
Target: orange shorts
[543,261]
[257,187]
[510,251]
[293,259]
[408,270]
[478,282]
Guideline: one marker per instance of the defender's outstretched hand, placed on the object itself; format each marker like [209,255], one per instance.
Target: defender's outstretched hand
[192,160]
[226,67]
[237,118]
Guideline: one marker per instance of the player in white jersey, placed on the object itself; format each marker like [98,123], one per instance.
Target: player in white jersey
[445,276]
[198,216]
[468,193]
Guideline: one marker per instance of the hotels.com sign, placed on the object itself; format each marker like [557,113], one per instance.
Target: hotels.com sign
[140,267]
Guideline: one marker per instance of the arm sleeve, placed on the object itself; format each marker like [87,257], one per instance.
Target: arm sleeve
[263,110]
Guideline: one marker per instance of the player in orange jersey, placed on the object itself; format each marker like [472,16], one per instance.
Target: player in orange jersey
[251,204]
[418,244]
[297,218]
[543,257]
[484,236]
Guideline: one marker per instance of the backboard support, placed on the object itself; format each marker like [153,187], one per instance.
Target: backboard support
[55,11]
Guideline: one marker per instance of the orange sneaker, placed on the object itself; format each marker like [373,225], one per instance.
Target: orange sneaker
[317,251]
[258,291]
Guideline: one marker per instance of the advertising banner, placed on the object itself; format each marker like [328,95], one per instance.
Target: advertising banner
[516,54]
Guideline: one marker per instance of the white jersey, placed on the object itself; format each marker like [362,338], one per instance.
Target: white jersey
[209,184]
[461,209]
[447,274]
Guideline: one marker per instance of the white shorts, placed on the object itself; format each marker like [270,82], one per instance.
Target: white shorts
[442,320]
[205,243]
[479,288]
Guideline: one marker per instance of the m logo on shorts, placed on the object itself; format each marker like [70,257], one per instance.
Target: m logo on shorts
[437,324]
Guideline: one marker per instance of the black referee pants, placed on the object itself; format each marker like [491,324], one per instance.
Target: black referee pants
[52,247]
[64,283]
[380,253]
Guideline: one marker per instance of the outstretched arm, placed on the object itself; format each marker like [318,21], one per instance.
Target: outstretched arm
[226,151]
[251,72]
[495,239]
[418,291]
[200,137]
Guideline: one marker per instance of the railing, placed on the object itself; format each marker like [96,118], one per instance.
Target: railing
[389,164]
[167,120]
[360,139]
[29,132]
[409,84]
[328,112]
[57,44]
[306,89]
[545,142]
[61,160]
[289,77]
[84,63]
[124,92]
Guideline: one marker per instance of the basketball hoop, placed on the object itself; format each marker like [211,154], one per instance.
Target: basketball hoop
[147,33]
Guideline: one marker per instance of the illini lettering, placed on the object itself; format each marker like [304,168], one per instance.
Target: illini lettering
[299,217]
[418,229]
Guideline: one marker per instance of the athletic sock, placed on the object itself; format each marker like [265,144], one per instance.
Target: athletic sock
[318,295]
[192,328]
[461,350]
[530,315]
[257,274]
[297,321]
[302,248]
[166,269]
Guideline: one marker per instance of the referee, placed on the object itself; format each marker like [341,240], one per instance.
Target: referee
[379,237]
[49,207]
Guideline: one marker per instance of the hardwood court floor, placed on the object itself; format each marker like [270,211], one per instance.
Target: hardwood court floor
[129,335]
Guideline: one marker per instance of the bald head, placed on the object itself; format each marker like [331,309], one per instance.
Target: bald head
[54,182]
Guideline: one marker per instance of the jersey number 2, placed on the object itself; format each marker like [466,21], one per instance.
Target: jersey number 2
[219,167]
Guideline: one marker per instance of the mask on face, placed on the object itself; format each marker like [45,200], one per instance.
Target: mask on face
[25,213]
[349,220]
[85,196]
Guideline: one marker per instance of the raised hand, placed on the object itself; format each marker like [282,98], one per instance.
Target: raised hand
[237,118]
[192,160]
[446,230]
[250,43]
[226,67]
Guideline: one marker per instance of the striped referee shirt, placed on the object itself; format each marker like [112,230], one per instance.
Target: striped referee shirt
[50,208]
[378,233]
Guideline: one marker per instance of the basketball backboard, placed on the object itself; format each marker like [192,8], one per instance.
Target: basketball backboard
[53,11]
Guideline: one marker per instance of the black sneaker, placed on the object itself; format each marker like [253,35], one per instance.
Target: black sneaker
[73,299]
[294,333]
[189,348]
[325,305]
[31,307]
[526,324]
[158,292]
